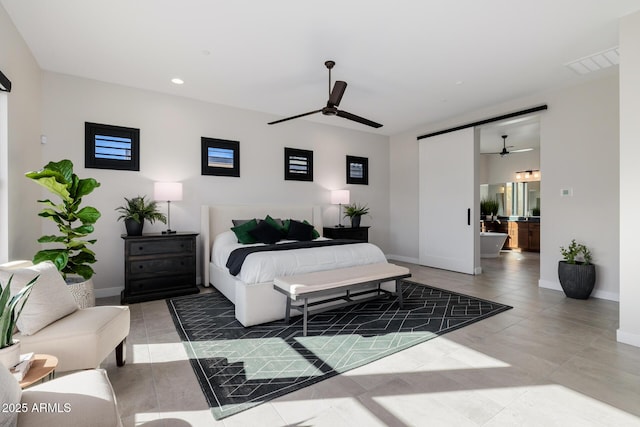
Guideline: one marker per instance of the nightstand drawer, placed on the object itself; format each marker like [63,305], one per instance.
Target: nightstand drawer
[161,246]
[159,284]
[161,266]
[353,233]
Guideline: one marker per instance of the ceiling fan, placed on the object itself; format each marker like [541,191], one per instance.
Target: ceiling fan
[331,109]
[504,151]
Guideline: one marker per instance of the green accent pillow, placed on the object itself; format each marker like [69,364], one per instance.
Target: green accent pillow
[242,232]
[314,233]
[275,223]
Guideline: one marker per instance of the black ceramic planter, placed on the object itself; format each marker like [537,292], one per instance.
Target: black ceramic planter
[134,228]
[355,221]
[577,280]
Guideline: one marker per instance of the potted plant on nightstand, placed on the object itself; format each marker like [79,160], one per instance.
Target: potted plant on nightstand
[136,211]
[355,212]
[73,259]
[576,272]
[10,309]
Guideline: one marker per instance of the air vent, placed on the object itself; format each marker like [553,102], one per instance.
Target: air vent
[595,62]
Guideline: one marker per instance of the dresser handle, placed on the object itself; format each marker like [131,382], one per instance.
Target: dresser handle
[140,248]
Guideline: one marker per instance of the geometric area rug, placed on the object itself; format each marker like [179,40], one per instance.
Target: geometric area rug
[239,367]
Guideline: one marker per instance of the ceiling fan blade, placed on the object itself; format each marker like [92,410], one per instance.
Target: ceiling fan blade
[337,92]
[295,117]
[349,116]
[522,150]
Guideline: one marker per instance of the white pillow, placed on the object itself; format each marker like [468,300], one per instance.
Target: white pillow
[10,395]
[49,301]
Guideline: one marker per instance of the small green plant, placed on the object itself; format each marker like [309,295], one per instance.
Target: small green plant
[139,210]
[10,309]
[489,206]
[355,210]
[576,253]
[74,256]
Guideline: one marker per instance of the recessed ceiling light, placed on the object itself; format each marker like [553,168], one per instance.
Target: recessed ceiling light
[177,81]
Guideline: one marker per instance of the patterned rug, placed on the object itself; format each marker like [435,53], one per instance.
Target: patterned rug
[239,367]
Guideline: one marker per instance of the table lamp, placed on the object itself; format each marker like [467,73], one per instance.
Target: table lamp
[171,192]
[340,197]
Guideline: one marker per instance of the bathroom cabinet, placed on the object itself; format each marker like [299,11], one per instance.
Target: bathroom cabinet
[523,235]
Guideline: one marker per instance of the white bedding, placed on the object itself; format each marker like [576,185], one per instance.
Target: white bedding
[263,267]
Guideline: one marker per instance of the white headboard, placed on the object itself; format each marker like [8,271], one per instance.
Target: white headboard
[217,219]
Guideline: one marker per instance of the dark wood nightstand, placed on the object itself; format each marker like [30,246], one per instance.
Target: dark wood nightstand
[159,266]
[354,233]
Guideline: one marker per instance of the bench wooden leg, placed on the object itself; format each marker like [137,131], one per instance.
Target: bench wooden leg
[399,292]
[121,353]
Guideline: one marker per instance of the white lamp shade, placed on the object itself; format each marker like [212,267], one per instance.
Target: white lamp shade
[339,197]
[167,191]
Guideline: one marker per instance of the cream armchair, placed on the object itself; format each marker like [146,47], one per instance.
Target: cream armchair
[83,398]
[51,322]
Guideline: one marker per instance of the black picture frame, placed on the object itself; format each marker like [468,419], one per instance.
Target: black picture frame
[298,164]
[357,170]
[220,157]
[111,147]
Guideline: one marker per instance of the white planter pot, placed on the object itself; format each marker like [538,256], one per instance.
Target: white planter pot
[10,356]
[82,291]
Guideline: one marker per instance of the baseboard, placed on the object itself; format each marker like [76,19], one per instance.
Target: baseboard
[403,258]
[611,296]
[107,292]
[628,338]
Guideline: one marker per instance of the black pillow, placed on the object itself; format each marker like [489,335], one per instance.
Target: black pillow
[266,233]
[300,231]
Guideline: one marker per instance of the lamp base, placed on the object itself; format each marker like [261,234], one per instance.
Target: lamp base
[169,232]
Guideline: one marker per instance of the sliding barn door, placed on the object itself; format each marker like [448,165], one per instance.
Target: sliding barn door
[449,202]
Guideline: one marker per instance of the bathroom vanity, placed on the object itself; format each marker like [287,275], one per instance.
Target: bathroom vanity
[523,232]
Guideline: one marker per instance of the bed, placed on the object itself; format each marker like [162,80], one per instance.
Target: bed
[252,292]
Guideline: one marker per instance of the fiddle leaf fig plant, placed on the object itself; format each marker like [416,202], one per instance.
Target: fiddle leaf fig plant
[72,256]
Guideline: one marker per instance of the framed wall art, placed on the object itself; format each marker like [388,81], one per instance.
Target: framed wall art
[298,164]
[357,170]
[220,157]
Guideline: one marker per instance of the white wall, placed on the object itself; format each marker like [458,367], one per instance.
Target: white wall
[579,149]
[23,142]
[629,331]
[170,131]
[495,169]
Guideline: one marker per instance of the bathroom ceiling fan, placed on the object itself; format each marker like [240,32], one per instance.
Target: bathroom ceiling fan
[335,96]
[504,151]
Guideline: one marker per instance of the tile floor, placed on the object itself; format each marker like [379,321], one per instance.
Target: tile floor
[550,361]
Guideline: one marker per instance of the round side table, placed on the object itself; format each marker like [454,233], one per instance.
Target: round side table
[43,366]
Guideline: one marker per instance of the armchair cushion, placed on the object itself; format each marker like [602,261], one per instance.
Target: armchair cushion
[83,339]
[49,301]
[10,394]
[84,398]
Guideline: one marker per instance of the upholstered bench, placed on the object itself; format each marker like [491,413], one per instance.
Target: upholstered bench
[366,278]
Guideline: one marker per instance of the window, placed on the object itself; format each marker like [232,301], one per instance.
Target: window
[357,170]
[111,147]
[220,157]
[298,164]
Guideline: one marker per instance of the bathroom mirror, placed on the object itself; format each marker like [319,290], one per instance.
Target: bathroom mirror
[514,198]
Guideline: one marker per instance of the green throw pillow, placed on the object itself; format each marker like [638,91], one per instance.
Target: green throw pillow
[277,224]
[242,232]
[314,233]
